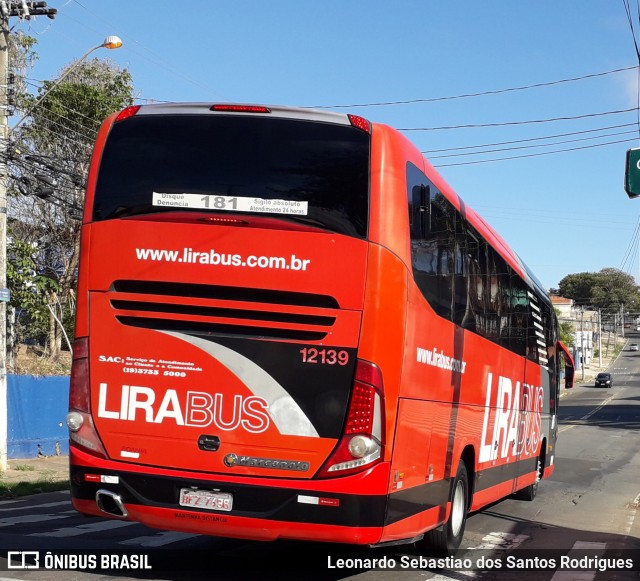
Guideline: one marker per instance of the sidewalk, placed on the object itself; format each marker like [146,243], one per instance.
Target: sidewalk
[45,469]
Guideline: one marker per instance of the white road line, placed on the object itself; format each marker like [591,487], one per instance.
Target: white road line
[496,541]
[586,417]
[632,514]
[578,551]
[501,541]
[83,529]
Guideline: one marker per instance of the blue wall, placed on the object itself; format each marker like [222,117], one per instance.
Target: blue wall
[37,409]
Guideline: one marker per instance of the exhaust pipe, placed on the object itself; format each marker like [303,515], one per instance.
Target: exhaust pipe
[110,503]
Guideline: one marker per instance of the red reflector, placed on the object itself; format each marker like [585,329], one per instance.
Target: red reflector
[92,477]
[79,396]
[126,113]
[369,373]
[329,501]
[81,348]
[360,123]
[240,108]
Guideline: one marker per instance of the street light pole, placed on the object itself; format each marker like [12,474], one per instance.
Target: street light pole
[110,42]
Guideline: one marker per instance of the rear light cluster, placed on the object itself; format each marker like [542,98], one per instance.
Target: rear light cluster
[362,440]
[233,108]
[360,123]
[127,112]
[82,431]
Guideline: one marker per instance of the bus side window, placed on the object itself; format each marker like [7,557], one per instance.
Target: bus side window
[419,211]
[518,315]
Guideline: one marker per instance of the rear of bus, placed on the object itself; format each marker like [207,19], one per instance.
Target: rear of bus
[216,386]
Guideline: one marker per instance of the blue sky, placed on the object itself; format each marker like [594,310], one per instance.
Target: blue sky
[563,213]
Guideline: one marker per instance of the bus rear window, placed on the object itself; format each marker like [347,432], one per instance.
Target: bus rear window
[315,173]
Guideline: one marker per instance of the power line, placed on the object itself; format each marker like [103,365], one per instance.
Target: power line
[627,9]
[533,154]
[478,94]
[145,51]
[531,146]
[505,123]
[429,151]
[632,249]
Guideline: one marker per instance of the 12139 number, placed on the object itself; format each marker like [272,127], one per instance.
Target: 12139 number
[324,356]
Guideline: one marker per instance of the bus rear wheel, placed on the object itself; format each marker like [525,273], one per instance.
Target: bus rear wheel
[446,540]
[530,492]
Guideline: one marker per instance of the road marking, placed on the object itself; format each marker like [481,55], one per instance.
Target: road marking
[578,551]
[501,541]
[592,412]
[497,541]
[632,514]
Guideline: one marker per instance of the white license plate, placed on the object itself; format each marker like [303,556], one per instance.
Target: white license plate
[206,499]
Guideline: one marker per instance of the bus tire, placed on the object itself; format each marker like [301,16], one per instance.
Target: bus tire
[446,539]
[530,492]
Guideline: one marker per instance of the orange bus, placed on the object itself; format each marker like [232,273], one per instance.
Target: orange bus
[290,326]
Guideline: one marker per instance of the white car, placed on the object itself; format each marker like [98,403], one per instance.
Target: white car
[633,347]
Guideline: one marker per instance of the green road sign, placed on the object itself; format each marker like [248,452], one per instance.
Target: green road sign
[632,173]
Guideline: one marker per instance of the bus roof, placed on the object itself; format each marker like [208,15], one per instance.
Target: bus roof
[240,108]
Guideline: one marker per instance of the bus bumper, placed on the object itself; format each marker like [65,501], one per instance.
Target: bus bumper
[347,510]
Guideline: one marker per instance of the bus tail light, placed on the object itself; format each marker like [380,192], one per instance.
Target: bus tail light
[82,432]
[362,440]
[360,123]
[238,108]
[127,112]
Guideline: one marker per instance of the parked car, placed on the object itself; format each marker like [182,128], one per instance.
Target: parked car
[604,380]
[633,347]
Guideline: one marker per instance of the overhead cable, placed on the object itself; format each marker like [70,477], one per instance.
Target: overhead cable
[478,94]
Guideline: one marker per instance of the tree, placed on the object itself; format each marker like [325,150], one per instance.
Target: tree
[28,294]
[606,290]
[49,168]
[567,332]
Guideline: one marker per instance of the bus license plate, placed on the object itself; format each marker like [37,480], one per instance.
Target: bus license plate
[206,499]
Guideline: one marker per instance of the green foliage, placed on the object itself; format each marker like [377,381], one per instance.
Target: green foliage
[566,331]
[605,290]
[29,289]
[73,111]
[51,149]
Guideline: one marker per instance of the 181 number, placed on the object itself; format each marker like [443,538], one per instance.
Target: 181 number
[324,356]
[219,202]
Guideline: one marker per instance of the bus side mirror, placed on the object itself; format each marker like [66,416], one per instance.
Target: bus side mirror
[568,376]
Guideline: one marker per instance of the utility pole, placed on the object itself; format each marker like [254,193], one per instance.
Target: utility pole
[25,10]
[599,339]
[4,68]
[583,359]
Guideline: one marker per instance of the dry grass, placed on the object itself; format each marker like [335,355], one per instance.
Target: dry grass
[32,361]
